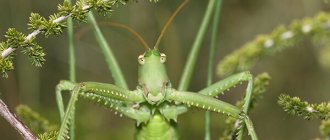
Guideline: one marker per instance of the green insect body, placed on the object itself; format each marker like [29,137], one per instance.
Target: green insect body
[157,129]
[155,105]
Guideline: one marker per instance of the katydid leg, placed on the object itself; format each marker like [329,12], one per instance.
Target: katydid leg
[63,85]
[100,92]
[171,112]
[221,86]
[246,105]
[62,134]
[225,84]
[106,95]
[211,104]
[140,113]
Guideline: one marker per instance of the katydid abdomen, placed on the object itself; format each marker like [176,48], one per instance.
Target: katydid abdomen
[158,128]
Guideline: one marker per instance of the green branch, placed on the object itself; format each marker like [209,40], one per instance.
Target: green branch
[325,129]
[51,26]
[281,38]
[294,106]
[33,120]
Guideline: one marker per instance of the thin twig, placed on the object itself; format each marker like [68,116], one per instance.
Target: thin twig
[11,49]
[15,122]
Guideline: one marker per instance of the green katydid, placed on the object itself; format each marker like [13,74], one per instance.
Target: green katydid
[154,104]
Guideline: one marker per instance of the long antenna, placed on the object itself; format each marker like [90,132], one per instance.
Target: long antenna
[115,24]
[169,22]
[136,34]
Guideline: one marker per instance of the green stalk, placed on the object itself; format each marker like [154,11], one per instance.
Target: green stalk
[72,69]
[191,62]
[214,34]
[109,57]
[72,60]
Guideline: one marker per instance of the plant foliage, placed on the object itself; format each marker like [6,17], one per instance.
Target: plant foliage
[280,38]
[34,121]
[294,106]
[53,25]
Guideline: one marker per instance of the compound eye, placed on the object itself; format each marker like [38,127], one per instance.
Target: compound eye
[141,59]
[162,58]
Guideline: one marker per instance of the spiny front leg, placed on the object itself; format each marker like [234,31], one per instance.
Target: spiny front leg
[225,84]
[229,82]
[66,119]
[211,104]
[106,95]
[64,85]
[112,91]
[214,90]
[109,93]
[121,100]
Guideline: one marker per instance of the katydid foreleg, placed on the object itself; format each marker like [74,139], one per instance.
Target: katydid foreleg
[63,85]
[123,101]
[231,81]
[203,102]
[62,134]
[225,84]
[208,103]
[219,87]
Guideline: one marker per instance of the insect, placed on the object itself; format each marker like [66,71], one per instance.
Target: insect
[155,104]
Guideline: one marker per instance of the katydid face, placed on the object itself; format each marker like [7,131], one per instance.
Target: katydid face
[152,76]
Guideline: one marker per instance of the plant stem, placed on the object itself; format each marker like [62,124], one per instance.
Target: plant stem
[191,62]
[214,34]
[109,57]
[72,61]
[72,69]
[14,122]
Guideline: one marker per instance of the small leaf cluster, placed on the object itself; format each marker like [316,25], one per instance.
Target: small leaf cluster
[325,130]
[51,135]
[317,29]
[14,40]
[324,56]
[33,120]
[47,27]
[52,25]
[261,82]
[81,8]
[6,64]
[294,106]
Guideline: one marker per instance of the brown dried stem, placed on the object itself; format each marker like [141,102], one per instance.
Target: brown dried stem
[15,122]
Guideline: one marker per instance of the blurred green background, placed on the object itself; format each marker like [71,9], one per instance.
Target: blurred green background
[295,71]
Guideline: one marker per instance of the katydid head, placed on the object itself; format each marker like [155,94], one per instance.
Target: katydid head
[152,72]
[153,76]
